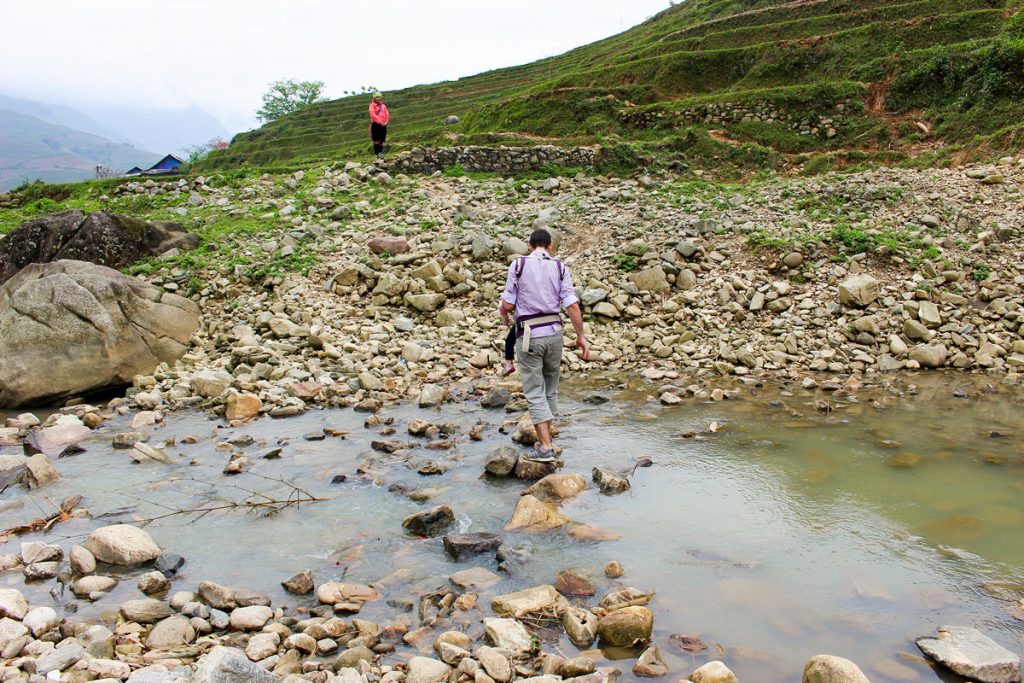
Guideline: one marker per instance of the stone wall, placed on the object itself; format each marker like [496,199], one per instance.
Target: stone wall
[492,159]
[826,125]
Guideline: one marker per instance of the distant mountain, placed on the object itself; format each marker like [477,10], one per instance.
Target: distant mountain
[168,131]
[31,148]
[62,115]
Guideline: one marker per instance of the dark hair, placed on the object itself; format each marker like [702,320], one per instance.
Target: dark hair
[540,238]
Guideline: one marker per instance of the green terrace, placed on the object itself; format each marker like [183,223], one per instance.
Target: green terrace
[954,62]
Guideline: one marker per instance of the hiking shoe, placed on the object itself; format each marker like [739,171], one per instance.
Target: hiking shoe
[541,454]
[507,368]
[380,157]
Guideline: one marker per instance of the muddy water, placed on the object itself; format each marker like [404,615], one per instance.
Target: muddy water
[786,533]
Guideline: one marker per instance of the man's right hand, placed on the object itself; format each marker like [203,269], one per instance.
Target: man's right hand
[584,347]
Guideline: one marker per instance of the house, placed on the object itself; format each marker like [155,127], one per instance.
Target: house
[134,170]
[169,164]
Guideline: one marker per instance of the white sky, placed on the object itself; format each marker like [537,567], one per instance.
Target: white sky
[221,54]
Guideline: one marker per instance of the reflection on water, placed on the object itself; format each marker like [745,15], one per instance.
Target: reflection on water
[787,533]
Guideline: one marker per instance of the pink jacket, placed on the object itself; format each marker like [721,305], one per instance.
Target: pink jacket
[379,113]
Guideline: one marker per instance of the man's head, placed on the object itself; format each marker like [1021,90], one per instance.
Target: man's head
[377,97]
[540,239]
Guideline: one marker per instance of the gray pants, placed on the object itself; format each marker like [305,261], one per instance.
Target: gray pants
[539,369]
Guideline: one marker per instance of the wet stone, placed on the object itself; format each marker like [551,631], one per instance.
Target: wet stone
[461,546]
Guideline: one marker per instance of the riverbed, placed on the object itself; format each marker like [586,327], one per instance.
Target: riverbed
[776,526]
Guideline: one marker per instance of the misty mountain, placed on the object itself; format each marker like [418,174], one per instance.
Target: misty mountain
[32,148]
[168,131]
[61,115]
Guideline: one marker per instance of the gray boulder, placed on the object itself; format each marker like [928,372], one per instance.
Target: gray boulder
[972,654]
[76,327]
[229,665]
[103,238]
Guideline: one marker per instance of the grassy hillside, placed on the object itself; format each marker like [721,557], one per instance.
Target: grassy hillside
[931,79]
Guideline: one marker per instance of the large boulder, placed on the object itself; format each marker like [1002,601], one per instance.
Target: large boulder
[106,239]
[73,327]
[858,290]
[230,665]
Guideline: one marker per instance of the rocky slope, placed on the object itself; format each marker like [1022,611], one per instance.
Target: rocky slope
[398,277]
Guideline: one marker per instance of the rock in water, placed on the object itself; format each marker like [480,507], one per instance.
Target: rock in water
[508,634]
[501,461]
[426,670]
[229,665]
[122,544]
[972,654]
[73,327]
[627,626]
[713,672]
[105,239]
[300,584]
[651,663]
[461,546]
[429,522]
[830,669]
[580,625]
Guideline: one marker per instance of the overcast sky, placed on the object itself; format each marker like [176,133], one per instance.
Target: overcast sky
[221,54]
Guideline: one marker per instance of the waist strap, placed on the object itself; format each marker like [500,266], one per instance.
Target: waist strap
[525,324]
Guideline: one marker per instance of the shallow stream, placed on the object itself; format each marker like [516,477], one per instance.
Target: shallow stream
[786,533]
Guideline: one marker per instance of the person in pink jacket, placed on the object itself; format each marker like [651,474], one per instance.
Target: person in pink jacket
[379,117]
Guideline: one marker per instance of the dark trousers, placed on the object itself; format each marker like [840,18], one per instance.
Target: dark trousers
[378,134]
[510,343]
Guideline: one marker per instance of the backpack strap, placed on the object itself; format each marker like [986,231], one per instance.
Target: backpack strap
[520,264]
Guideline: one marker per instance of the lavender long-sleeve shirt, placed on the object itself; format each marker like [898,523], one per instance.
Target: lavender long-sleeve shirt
[539,289]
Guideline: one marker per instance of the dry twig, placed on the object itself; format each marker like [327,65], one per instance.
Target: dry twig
[43,523]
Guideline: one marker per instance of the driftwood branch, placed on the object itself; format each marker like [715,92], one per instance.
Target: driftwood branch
[257,503]
[46,523]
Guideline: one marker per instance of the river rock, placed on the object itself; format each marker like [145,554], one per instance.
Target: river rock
[832,669]
[558,486]
[608,481]
[13,603]
[475,578]
[216,595]
[250,618]
[54,439]
[153,582]
[210,383]
[495,398]
[145,610]
[429,523]
[572,583]
[122,544]
[714,672]
[87,585]
[168,564]
[171,632]
[425,302]
[858,291]
[432,395]
[82,561]
[117,325]
[533,514]
[40,571]
[501,461]
[40,471]
[60,658]
[651,664]
[11,630]
[98,641]
[972,654]
[495,663]
[625,627]
[929,355]
[262,645]
[300,584]
[508,634]
[580,625]
[426,670]
[35,551]
[101,238]
[241,406]
[345,593]
[542,598]
[581,665]
[461,546]
[39,620]
[229,665]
